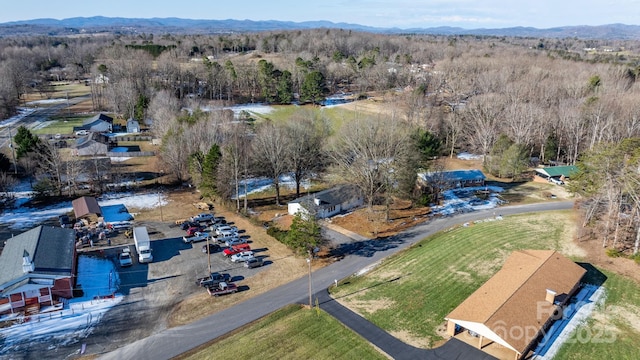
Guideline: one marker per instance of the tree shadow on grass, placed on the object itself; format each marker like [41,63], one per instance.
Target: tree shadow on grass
[366,248]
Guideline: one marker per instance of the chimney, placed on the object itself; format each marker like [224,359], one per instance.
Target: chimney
[317,201]
[27,264]
[551,296]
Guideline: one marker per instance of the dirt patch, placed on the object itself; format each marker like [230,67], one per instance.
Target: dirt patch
[407,337]
[486,268]
[628,314]
[596,255]
[373,223]
[365,306]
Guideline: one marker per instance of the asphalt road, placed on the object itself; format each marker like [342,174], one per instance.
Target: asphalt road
[175,341]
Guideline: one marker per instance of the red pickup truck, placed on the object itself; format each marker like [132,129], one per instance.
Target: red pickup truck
[236,249]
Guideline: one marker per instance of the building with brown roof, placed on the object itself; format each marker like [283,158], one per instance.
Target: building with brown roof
[519,302]
[86,207]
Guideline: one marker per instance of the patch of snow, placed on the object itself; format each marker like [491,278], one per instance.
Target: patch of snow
[575,314]
[367,269]
[256,185]
[24,217]
[468,156]
[465,200]
[22,112]
[99,280]
[47,101]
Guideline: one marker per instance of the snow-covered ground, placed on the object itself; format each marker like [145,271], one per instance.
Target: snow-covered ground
[99,280]
[256,185]
[468,156]
[24,217]
[465,200]
[22,112]
[97,277]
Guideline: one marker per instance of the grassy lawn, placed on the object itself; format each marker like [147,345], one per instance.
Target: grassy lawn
[290,333]
[410,294]
[336,115]
[60,126]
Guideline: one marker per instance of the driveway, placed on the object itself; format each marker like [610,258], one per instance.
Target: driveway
[172,342]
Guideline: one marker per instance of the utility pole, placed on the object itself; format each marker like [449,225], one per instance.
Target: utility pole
[309,262]
[160,205]
[13,152]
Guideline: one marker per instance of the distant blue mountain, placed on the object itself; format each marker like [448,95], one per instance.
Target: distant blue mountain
[201,26]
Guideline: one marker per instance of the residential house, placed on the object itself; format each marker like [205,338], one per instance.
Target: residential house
[445,180]
[37,269]
[93,144]
[556,172]
[329,202]
[515,306]
[100,123]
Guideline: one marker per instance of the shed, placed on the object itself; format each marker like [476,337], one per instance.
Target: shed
[329,202]
[133,126]
[86,206]
[525,295]
[37,268]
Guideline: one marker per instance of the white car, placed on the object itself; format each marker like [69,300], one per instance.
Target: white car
[242,256]
[82,133]
[202,217]
[125,257]
[220,230]
[556,181]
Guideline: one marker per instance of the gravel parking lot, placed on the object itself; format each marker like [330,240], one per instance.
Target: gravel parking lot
[153,290]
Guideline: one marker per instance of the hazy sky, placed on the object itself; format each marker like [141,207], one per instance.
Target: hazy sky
[381,13]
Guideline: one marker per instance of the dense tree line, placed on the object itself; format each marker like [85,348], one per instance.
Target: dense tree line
[509,99]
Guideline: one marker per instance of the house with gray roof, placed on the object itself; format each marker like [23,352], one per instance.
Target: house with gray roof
[37,268]
[329,202]
[93,144]
[444,180]
[100,123]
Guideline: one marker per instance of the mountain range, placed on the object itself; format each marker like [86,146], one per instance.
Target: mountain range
[100,24]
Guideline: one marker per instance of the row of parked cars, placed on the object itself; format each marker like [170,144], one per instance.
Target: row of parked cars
[206,226]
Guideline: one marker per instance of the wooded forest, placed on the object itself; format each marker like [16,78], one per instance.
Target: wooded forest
[516,101]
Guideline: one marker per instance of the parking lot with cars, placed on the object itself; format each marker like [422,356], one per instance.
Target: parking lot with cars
[153,290]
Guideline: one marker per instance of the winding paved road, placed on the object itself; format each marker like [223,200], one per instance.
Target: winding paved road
[175,341]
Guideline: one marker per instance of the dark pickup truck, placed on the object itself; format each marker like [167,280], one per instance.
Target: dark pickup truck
[213,280]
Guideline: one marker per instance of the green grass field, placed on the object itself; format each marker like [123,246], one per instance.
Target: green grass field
[59,126]
[291,333]
[336,115]
[412,292]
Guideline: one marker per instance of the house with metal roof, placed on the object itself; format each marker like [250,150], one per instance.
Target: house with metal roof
[329,202]
[560,172]
[37,268]
[515,306]
[444,180]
